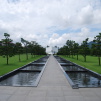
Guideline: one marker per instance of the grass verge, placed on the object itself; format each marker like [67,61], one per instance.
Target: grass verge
[14,63]
[92,62]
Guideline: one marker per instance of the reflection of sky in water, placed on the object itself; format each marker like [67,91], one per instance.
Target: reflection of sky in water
[72,68]
[43,60]
[33,67]
[62,61]
[25,79]
[80,77]
[84,79]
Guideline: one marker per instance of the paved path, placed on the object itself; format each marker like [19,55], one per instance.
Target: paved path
[53,86]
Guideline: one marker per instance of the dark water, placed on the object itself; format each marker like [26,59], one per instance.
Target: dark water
[72,68]
[33,67]
[21,79]
[84,79]
[26,76]
[39,61]
[78,75]
[43,60]
[62,61]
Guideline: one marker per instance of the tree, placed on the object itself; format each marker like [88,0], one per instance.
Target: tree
[26,43]
[47,46]
[84,50]
[19,49]
[31,47]
[97,41]
[35,47]
[93,50]
[7,47]
[0,47]
[63,51]
[70,45]
[76,49]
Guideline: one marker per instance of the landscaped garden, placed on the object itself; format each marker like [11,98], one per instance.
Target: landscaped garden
[14,55]
[87,54]
[14,62]
[91,63]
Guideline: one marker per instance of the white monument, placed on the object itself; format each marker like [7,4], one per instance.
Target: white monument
[51,50]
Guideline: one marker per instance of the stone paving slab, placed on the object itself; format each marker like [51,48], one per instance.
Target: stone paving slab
[53,86]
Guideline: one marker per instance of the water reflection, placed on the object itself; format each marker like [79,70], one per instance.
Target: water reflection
[33,67]
[42,60]
[26,76]
[78,75]
[84,79]
[60,60]
[25,79]
[72,68]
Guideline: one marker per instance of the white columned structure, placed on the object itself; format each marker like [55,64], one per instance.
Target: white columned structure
[51,50]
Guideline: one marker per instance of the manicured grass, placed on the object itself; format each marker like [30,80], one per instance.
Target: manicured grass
[92,62]
[14,63]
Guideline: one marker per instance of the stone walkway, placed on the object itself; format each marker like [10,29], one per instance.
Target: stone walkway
[53,86]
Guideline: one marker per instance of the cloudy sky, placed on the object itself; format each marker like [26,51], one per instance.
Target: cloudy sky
[50,22]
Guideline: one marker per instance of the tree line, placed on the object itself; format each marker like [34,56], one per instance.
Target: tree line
[8,48]
[72,48]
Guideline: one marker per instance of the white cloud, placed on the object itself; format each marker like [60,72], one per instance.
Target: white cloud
[57,40]
[84,32]
[39,19]
[86,15]
[82,35]
[60,40]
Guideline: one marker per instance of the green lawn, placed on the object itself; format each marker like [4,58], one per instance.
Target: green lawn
[14,63]
[92,62]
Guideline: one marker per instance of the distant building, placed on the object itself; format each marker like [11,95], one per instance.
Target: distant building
[51,50]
